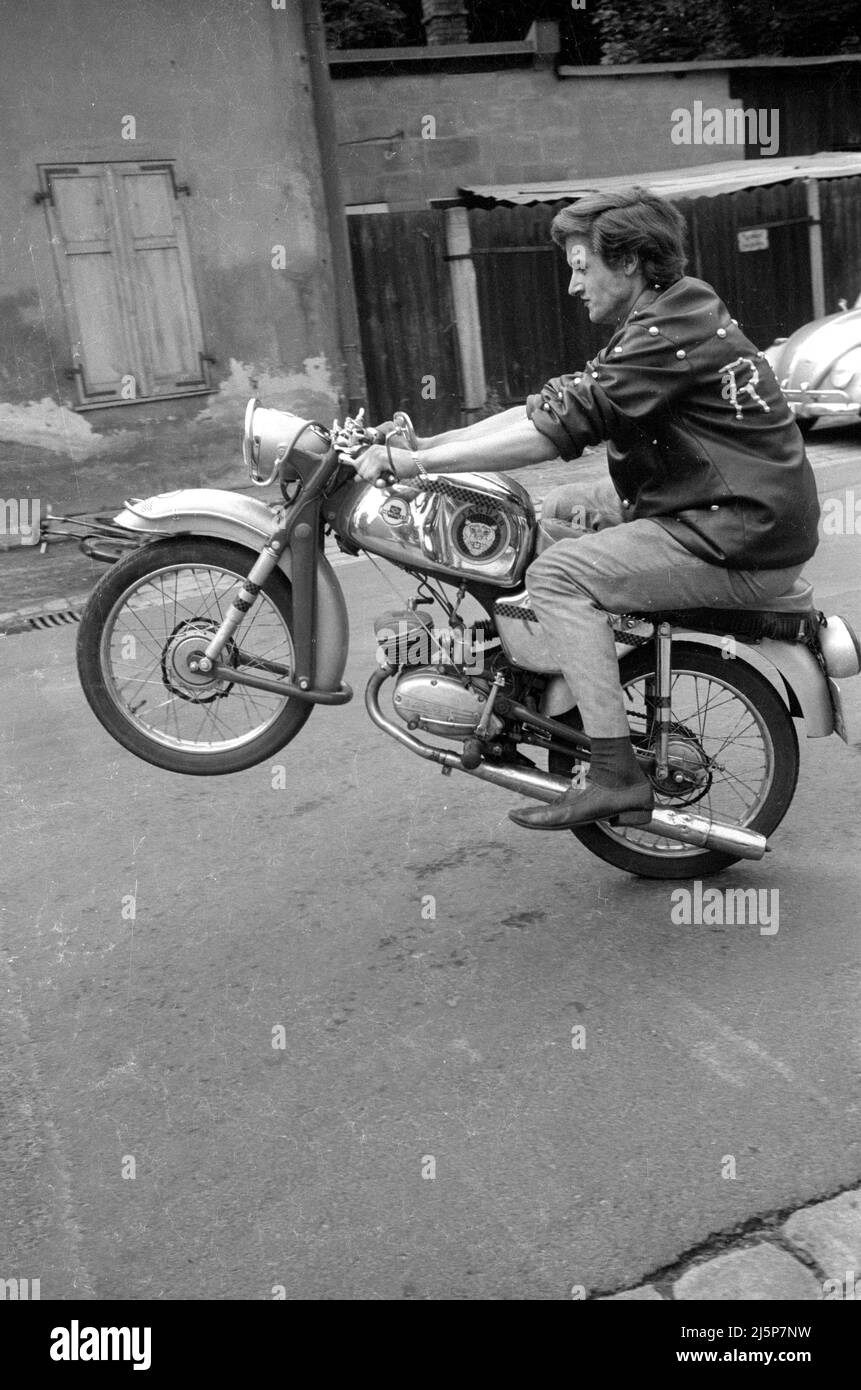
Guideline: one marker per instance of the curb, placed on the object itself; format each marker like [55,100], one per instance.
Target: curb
[813,1255]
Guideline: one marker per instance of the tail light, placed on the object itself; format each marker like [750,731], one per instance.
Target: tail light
[840,647]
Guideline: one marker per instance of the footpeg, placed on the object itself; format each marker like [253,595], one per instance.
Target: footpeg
[472,755]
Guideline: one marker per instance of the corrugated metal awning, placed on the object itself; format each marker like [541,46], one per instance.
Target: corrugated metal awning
[696,181]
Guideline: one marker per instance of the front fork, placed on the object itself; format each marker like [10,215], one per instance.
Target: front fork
[299,529]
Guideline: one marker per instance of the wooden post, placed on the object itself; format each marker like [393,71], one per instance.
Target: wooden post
[464,292]
[817,270]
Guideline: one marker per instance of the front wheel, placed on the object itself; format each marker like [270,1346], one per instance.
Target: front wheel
[146,621]
[733,757]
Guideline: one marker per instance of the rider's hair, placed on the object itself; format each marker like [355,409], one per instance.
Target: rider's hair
[634,222]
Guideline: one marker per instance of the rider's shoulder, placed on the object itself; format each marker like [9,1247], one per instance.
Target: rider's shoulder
[682,316]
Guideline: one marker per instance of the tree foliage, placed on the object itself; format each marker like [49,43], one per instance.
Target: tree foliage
[621,31]
[372,23]
[685,30]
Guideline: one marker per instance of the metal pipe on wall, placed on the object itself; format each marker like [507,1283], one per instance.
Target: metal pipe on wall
[342,269]
[817,269]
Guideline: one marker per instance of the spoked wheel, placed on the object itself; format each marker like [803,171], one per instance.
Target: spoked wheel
[148,620]
[733,757]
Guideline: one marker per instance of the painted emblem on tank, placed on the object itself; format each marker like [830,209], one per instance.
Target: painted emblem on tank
[479,532]
[395,511]
[478,537]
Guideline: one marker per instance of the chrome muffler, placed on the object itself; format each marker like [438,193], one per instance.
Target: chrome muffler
[683,826]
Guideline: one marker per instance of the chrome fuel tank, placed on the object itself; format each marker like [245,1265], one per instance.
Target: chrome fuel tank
[466,525]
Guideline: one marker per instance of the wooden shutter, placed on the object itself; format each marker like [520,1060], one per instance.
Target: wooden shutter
[165,306]
[84,225]
[125,271]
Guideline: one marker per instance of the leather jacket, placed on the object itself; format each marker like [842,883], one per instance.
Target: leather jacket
[699,436]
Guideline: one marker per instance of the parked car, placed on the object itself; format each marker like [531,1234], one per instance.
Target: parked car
[819,367]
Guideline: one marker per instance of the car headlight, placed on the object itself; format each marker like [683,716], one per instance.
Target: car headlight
[847,368]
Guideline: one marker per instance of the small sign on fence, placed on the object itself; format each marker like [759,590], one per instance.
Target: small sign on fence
[753,239]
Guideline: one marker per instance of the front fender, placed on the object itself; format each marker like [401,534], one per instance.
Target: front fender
[248,522]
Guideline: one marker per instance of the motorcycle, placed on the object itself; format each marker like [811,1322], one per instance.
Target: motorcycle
[205,648]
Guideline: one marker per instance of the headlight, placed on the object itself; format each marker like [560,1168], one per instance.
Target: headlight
[848,367]
[269,434]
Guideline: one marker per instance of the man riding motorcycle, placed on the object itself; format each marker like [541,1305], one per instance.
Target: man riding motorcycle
[711,500]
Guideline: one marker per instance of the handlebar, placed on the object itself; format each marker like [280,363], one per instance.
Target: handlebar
[357,436]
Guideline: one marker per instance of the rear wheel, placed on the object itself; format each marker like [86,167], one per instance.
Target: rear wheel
[733,757]
[148,618]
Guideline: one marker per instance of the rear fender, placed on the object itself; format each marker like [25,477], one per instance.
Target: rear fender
[248,522]
[790,667]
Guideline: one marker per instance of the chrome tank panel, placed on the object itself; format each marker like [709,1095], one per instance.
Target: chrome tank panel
[467,525]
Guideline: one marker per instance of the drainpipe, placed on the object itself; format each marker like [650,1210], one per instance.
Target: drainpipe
[817,270]
[342,269]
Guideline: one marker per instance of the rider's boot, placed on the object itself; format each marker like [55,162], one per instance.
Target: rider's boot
[615,788]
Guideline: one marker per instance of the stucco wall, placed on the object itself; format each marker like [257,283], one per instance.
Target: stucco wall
[220,86]
[510,125]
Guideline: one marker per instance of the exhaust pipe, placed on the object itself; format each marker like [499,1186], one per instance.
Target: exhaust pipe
[683,826]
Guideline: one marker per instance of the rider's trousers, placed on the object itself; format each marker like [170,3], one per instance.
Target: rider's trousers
[592,563]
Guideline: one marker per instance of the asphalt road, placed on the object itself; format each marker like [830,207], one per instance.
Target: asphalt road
[139,1037]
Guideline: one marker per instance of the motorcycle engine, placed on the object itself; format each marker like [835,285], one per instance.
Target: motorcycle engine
[429,698]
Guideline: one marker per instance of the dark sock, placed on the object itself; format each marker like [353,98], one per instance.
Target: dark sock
[614,763]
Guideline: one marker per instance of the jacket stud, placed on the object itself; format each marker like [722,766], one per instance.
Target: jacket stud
[653,331]
[681,353]
[713,507]
[721,332]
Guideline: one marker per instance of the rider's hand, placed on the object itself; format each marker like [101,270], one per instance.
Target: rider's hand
[375,461]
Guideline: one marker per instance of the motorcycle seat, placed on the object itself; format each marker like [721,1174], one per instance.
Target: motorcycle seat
[789,617]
